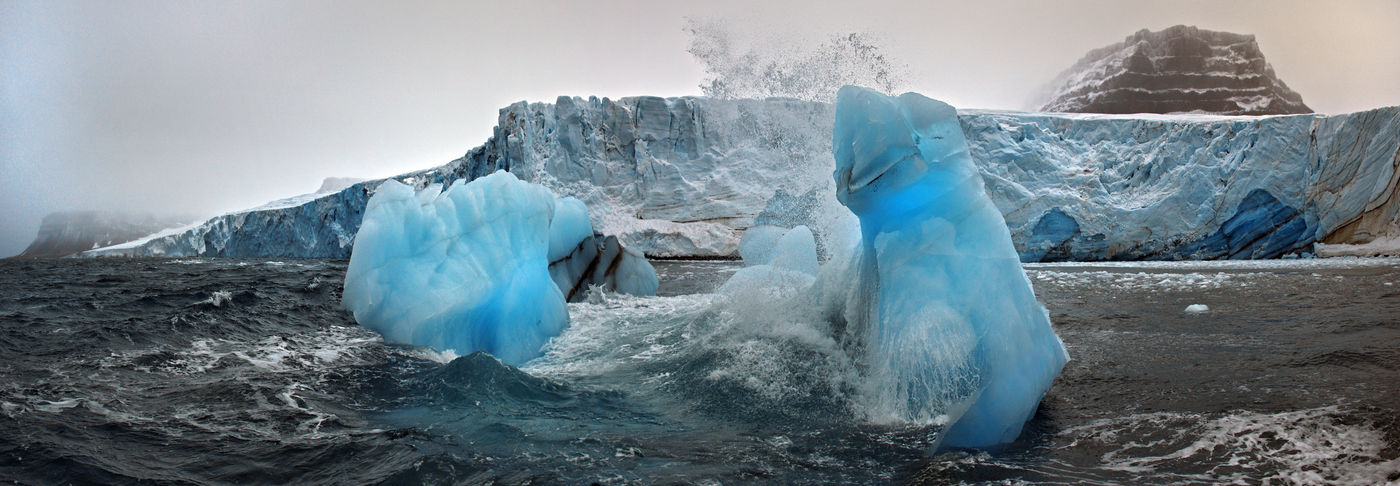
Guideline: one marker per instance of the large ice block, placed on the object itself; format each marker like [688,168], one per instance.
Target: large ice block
[465,270]
[946,316]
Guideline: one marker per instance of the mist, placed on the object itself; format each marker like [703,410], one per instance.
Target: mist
[209,107]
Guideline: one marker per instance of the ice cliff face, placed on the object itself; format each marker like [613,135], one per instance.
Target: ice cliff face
[1100,187]
[1179,69]
[684,177]
[677,177]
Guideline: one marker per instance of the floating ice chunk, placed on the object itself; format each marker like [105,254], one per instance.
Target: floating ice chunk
[942,305]
[778,267]
[793,249]
[630,273]
[580,259]
[604,263]
[1197,308]
[461,270]
[796,250]
[569,227]
[758,242]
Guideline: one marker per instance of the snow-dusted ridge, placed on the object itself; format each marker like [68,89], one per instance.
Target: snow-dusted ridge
[1178,69]
[683,177]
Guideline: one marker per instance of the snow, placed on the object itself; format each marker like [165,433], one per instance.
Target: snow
[462,270]
[941,303]
[1197,309]
[142,241]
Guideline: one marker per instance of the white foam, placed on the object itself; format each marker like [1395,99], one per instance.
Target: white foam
[218,298]
[1221,265]
[1311,446]
[1152,279]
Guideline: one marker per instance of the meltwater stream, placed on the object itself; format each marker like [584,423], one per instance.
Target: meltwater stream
[248,371]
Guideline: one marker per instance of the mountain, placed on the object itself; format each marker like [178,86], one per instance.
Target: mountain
[684,177]
[68,232]
[1176,70]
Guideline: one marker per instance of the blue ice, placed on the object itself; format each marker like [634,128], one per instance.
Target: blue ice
[464,269]
[778,263]
[948,318]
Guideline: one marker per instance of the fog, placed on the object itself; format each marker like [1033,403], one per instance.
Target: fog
[208,107]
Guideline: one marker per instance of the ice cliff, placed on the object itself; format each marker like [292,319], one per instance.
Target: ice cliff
[1178,69]
[684,177]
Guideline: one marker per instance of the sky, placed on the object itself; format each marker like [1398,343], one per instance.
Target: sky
[210,106]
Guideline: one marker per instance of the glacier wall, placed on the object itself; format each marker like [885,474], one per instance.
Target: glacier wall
[684,177]
[1110,187]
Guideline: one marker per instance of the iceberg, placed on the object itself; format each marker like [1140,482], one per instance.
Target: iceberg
[466,269]
[779,265]
[942,308]
[580,259]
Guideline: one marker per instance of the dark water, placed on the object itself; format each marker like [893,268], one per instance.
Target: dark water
[186,371]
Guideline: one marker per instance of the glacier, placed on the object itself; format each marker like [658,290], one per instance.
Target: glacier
[685,177]
[476,267]
[943,309]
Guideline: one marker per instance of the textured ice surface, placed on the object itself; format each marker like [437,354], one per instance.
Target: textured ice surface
[944,309]
[462,270]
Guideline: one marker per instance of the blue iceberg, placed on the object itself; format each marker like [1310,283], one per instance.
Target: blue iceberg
[466,269]
[949,325]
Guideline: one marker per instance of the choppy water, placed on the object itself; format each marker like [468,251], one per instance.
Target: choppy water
[189,371]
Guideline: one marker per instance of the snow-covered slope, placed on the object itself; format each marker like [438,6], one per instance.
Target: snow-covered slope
[683,177]
[1178,69]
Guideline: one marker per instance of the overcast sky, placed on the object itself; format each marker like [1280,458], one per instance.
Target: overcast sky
[210,106]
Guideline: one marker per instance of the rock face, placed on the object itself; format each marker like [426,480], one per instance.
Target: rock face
[684,177]
[1179,69]
[68,232]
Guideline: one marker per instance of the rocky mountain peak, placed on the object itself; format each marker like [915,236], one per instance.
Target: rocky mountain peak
[1180,69]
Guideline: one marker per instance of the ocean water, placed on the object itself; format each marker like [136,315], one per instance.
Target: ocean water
[247,371]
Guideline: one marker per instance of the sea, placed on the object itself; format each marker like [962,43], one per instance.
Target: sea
[217,371]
